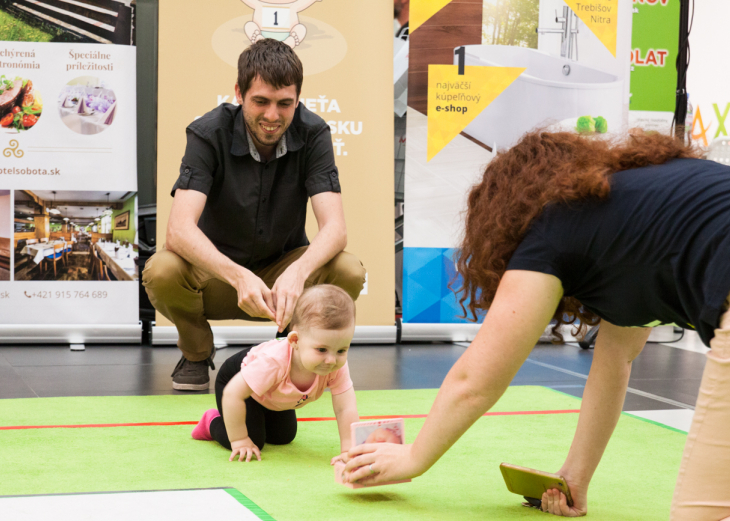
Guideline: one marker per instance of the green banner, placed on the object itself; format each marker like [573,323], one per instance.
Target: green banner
[655,41]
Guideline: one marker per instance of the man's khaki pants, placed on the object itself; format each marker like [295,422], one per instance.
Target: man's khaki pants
[189,296]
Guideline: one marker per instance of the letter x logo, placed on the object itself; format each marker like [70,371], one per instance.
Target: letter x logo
[721,119]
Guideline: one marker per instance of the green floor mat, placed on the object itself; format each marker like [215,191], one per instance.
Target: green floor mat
[295,482]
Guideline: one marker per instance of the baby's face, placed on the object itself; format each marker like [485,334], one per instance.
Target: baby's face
[323,351]
[382,436]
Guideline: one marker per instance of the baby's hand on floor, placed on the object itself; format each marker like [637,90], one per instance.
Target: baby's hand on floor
[244,448]
[342,458]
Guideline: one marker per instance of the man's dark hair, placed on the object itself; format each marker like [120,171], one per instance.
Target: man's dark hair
[274,62]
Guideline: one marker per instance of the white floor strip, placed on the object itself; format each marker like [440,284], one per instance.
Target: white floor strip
[180,505]
[631,390]
[676,418]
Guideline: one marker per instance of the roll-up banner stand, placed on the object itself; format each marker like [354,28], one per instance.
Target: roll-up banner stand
[482,73]
[68,174]
[706,79]
[347,56]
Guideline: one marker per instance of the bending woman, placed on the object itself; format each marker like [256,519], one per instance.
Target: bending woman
[563,227]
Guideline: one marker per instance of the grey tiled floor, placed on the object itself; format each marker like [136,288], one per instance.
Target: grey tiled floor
[41,371]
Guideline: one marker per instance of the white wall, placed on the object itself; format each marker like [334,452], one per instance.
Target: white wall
[708,74]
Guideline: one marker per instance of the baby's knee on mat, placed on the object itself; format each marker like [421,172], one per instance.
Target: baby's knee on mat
[281,438]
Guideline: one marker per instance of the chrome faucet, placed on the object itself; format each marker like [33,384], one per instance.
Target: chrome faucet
[567,33]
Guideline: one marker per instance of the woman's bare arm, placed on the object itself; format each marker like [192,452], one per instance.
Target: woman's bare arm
[522,308]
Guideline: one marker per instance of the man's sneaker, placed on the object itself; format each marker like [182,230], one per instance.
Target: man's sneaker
[192,376]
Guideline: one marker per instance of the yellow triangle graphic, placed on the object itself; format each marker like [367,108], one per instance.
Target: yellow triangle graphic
[422,10]
[455,100]
[601,17]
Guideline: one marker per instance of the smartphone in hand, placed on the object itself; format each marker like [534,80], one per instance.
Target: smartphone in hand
[531,483]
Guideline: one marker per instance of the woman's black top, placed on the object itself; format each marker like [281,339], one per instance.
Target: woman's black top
[657,251]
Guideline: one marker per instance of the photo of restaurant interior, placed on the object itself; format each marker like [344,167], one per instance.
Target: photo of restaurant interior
[75,235]
[5,234]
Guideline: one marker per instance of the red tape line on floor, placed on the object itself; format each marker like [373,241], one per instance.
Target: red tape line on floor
[167,424]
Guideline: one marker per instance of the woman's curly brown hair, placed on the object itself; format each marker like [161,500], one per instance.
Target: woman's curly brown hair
[543,168]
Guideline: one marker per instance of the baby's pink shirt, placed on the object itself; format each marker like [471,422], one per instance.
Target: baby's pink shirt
[266,370]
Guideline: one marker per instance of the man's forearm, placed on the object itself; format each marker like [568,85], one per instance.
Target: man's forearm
[330,241]
[190,243]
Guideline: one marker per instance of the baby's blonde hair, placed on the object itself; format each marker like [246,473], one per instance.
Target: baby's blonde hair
[323,306]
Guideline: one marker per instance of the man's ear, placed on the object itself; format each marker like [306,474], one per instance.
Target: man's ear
[293,338]
[239,98]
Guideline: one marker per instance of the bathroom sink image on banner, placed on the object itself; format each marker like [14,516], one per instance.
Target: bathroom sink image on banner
[551,90]
[576,65]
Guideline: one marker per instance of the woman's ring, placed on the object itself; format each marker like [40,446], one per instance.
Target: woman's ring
[371,469]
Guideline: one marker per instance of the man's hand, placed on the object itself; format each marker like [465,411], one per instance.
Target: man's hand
[244,448]
[285,293]
[254,297]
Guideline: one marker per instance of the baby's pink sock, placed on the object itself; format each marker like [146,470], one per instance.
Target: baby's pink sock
[202,429]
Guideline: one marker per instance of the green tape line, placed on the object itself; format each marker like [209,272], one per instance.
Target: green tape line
[253,507]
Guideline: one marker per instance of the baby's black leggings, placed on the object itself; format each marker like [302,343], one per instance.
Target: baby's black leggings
[264,426]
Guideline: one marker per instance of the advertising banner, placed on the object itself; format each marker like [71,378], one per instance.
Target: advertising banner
[513,66]
[68,174]
[347,53]
[706,75]
[654,48]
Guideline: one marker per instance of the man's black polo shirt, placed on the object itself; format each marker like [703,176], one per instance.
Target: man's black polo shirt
[255,212]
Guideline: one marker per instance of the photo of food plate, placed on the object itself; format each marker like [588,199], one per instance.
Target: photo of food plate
[20,104]
[87,105]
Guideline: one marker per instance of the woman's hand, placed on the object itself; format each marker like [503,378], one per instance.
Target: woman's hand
[244,448]
[341,458]
[374,463]
[555,502]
